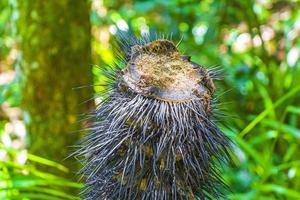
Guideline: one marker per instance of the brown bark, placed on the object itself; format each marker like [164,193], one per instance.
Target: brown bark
[55,57]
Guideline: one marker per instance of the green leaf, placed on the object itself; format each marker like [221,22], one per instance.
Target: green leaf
[263,114]
[279,190]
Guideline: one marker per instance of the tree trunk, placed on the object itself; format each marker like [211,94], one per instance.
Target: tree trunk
[56,57]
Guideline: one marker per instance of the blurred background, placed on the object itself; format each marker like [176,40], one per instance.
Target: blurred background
[48,50]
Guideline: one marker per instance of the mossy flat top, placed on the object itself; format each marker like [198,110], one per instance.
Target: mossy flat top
[159,70]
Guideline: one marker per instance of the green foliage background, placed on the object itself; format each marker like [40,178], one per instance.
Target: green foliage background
[257,44]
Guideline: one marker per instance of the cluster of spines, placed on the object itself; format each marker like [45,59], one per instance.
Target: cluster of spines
[144,148]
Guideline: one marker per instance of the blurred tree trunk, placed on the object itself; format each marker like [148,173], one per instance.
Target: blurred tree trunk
[55,46]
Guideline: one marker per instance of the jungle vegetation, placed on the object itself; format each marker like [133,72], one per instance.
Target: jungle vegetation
[51,52]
